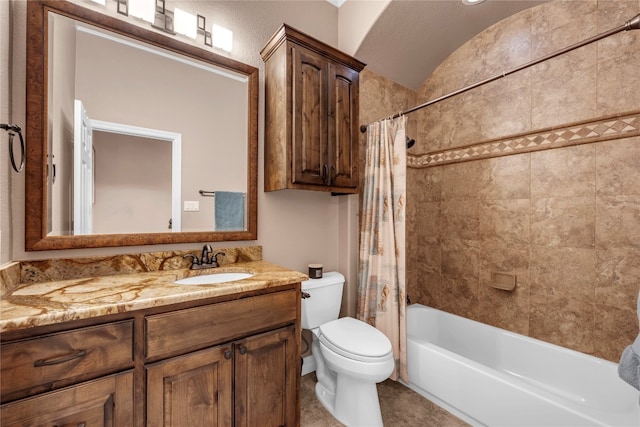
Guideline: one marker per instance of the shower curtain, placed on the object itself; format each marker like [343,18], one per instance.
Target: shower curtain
[381,270]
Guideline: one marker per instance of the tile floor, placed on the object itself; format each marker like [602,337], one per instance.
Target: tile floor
[400,407]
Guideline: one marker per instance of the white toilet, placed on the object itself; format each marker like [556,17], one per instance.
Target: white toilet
[351,356]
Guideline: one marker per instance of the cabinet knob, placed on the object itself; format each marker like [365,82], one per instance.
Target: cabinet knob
[228,354]
[242,349]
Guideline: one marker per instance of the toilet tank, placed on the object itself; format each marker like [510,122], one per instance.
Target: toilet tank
[324,301]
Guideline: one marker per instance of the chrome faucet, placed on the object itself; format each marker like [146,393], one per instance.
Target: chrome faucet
[206,260]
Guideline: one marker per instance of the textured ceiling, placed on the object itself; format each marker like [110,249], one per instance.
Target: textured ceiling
[412,37]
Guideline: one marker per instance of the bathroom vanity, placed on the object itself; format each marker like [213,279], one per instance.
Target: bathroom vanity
[137,349]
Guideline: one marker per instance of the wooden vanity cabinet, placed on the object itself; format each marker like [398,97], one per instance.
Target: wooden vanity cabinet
[215,363]
[311,114]
[105,402]
[89,370]
[250,379]
[251,382]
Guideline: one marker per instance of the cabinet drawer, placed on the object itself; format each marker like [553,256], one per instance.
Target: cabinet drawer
[186,330]
[51,361]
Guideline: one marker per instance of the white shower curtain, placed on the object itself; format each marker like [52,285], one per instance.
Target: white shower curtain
[381,270]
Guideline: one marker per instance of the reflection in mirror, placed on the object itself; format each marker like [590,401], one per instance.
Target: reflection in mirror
[138,132]
[159,90]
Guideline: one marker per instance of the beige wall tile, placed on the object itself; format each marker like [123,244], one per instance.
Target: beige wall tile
[565,172]
[566,221]
[428,292]
[505,309]
[583,27]
[563,272]
[618,224]
[460,120]
[462,181]
[506,178]
[551,98]
[506,221]
[511,113]
[460,259]
[611,14]
[618,82]
[459,296]
[556,14]
[430,219]
[460,220]
[510,45]
[615,328]
[562,321]
[617,277]
[430,130]
[618,167]
[428,184]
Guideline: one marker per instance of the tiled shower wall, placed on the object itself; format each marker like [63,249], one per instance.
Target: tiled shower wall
[565,221]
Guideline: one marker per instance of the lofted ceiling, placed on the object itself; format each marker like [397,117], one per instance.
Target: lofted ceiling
[410,38]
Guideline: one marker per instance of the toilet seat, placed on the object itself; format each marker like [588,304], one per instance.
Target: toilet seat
[354,339]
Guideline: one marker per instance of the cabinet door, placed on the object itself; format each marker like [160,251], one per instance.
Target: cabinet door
[310,163]
[343,126]
[191,390]
[103,402]
[267,378]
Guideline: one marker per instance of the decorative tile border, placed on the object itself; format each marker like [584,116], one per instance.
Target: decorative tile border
[604,129]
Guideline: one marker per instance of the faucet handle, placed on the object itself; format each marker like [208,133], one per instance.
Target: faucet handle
[194,259]
[214,258]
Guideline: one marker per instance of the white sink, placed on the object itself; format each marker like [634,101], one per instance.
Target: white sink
[210,279]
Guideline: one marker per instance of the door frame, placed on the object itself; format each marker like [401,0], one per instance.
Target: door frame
[176,159]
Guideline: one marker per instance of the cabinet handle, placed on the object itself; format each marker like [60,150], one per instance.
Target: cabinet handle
[58,360]
[228,354]
[242,349]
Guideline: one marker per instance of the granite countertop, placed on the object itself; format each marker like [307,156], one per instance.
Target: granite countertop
[52,302]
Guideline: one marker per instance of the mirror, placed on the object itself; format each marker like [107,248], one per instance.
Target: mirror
[187,114]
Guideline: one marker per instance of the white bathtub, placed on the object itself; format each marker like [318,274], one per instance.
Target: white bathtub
[489,376]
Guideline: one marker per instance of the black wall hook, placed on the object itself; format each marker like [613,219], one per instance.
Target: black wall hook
[13,129]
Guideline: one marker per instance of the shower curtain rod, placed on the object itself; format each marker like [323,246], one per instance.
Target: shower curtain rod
[632,24]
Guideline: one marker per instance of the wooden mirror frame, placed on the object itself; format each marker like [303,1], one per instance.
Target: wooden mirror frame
[36,238]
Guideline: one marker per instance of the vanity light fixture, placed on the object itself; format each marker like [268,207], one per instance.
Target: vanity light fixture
[185,23]
[143,9]
[174,22]
[222,37]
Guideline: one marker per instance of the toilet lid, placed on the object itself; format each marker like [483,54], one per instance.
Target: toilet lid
[355,339]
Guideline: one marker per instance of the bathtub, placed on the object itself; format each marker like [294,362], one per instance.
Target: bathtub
[489,376]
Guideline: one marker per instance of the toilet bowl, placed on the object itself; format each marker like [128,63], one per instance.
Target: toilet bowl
[351,356]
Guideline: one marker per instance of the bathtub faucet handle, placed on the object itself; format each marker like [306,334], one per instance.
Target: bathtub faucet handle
[305,295]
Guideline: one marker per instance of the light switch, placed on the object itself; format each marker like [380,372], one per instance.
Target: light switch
[191,206]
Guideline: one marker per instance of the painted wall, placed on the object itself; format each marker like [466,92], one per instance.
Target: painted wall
[563,221]
[132,186]
[295,228]
[6,238]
